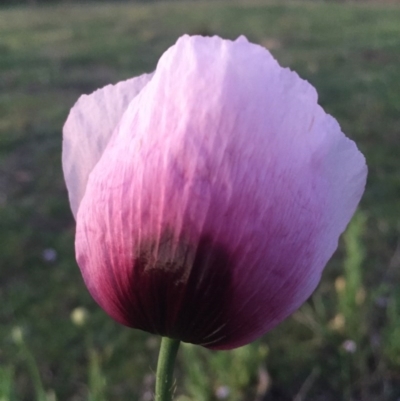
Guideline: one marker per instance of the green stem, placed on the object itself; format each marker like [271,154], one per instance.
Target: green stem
[165,369]
[34,372]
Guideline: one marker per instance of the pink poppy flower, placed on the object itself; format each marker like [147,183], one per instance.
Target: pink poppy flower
[209,195]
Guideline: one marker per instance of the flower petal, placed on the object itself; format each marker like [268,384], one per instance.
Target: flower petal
[88,130]
[221,199]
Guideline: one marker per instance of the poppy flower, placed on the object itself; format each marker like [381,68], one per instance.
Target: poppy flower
[208,195]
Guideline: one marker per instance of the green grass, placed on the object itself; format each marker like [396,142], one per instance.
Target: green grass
[49,56]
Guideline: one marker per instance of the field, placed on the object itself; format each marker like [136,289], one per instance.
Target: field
[56,344]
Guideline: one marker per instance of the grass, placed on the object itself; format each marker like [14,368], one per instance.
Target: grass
[342,345]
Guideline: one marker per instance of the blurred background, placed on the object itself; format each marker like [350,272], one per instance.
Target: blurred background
[55,343]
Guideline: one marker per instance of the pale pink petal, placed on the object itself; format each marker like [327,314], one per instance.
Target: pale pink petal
[88,130]
[221,199]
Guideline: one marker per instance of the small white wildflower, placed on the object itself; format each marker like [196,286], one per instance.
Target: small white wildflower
[49,255]
[222,392]
[350,346]
[79,316]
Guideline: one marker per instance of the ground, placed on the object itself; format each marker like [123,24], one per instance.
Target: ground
[344,344]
